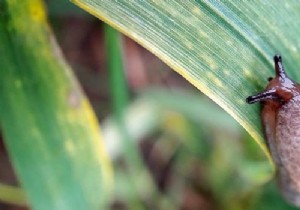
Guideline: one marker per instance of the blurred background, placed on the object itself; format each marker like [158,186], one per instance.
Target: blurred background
[171,146]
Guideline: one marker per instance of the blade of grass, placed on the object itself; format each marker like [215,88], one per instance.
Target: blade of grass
[224,48]
[119,101]
[117,77]
[49,128]
[119,90]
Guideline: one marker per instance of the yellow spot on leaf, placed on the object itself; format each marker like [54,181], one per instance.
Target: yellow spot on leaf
[197,11]
[218,82]
[210,61]
[247,73]
[189,45]
[226,72]
[214,79]
[203,34]
[37,11]
[240,101]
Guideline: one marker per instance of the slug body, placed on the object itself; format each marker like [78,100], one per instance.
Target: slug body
[281,123]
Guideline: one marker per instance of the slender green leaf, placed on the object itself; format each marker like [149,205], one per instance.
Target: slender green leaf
[117,77]
[49,127]
[224,48]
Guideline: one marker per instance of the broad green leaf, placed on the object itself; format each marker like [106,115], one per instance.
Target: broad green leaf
[224,48]
[49,127]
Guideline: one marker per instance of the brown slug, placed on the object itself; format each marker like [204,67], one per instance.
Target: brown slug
[281,123]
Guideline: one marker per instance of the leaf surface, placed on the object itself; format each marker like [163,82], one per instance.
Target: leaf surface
[224,48]
[49,127]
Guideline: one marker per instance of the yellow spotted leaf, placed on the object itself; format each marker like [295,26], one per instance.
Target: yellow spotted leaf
[49,127]
[224,48]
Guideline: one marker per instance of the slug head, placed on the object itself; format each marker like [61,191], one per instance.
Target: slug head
[280,88]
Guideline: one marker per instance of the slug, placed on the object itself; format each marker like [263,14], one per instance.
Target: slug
[280,117]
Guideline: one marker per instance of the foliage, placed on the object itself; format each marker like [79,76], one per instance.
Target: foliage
[169,149]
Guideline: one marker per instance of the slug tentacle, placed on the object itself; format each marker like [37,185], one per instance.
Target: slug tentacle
[279,70]
[266,95]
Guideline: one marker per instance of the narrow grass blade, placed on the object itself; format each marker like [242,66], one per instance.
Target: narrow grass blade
[224,48]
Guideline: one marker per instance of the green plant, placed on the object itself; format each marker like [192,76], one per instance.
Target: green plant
[49,127]
[223,48]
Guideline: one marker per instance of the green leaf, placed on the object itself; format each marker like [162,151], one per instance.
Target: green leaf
[49,127]
[224,48]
